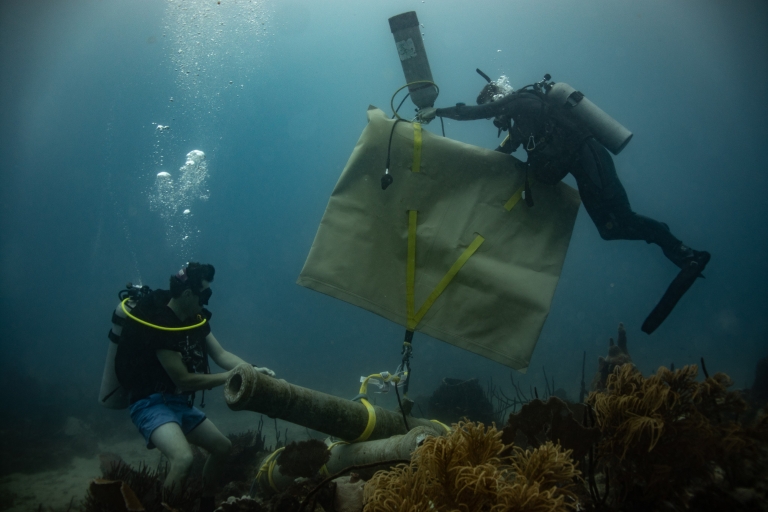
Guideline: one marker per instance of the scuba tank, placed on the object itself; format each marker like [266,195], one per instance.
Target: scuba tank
[609,132]
[413,58]
[112,395]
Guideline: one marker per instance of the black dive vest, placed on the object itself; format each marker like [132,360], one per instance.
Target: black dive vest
[136,364]
[550,135]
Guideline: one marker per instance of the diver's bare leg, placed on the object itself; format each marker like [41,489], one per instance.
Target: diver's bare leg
[170,440]
[209,438]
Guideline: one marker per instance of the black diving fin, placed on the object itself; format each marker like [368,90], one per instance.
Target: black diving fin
[687,276]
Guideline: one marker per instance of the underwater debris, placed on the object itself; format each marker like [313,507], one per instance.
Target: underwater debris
[349,493]
[457,399]
[115,495]
[303,458]
[666,433]
[146,485]
[294,498]
[466,471]
[539,422]
[242,504]
[242,464]
[618,355]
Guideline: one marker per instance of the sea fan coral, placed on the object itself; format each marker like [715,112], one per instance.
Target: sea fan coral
[465,471]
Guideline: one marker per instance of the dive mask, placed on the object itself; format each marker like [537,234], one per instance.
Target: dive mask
[204,296]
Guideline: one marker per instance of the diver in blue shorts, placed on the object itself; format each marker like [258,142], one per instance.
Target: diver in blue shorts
[162,359]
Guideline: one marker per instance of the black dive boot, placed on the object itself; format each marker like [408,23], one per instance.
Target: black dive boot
[692,264]
[683,256]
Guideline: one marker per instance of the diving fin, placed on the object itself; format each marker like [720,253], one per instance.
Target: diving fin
[688,274]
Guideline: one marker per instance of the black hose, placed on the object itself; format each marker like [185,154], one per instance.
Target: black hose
[407,428]
[401,104]
[487,78]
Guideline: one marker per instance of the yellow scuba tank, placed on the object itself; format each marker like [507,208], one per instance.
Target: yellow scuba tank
[609,132]
[413,57]
[112,395]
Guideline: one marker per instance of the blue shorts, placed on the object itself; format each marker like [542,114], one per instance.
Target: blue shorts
[161,408]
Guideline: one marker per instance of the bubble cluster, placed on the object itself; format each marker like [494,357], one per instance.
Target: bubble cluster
[504,88]
[214,48]
[173,199]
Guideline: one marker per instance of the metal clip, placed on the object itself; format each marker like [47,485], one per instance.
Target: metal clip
[531,144]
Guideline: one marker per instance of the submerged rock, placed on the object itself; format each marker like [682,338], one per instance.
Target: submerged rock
[456,399]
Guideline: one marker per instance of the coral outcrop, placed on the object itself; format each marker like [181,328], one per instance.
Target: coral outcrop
[618,355]
[466,471]
[663,434]
[457,399]
[553,420]
[303,458]
[125,488]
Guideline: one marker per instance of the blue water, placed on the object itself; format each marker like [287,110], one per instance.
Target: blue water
[275,93]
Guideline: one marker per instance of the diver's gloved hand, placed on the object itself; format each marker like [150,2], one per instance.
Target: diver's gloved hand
[264,370]
[425,115]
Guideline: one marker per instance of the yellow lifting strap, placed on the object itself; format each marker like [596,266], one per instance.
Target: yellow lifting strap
[324,470]
[413,320]
[371,421]
[371,411]
[412,316]
[416,147]
[269,466]
[410,277]
[446,427]
[515,198]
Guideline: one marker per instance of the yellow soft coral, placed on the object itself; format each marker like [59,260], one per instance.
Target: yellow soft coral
[465,471]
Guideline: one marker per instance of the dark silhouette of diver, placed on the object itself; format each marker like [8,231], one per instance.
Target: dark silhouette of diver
[559,142]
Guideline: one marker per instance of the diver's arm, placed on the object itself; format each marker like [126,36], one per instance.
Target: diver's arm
[505,106]
[185,381]
[227,360]
[470,113]
[522,103]
[221,357]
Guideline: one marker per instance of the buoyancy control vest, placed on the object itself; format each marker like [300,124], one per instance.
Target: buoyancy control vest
[548,134]
[112,395]
[551,121]
[121,371]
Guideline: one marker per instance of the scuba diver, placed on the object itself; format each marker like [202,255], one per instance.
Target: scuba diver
[161,360]
[562,132]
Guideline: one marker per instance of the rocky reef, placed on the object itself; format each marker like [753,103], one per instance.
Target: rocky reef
[670,441]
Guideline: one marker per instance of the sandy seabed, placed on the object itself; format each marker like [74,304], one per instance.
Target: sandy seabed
[54,490]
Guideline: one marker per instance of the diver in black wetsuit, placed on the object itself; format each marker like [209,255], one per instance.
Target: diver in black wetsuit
[557,143]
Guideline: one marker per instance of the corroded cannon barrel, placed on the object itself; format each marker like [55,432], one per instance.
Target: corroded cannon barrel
[250,390]
[346,455]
